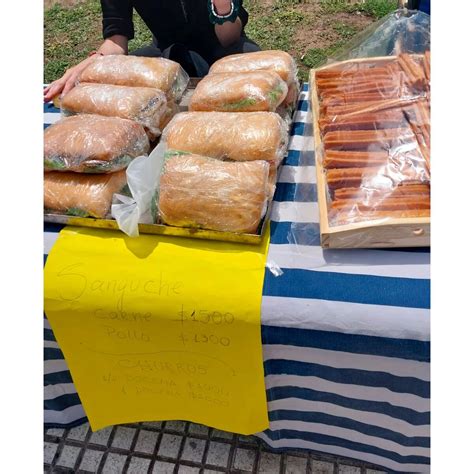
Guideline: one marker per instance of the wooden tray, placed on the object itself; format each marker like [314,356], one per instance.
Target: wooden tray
[383,233]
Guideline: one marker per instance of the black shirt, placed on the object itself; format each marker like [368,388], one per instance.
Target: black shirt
[171,21]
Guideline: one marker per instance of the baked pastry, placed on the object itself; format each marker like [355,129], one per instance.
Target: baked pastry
[159,73]
[200,192]
[82,195]
[144,105]
[93,144]
[243,92]
[229,135]
[273,60]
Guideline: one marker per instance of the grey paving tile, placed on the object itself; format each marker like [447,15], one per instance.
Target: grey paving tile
[146,441]
[193,450]
[175,426]
[123,437]
[78,433]
[371,471]
[269,463]
[295,465]
[188,470]
[196,429]
[348,469]
[244,459]
[161,467]
[321,467]
[91,460]
[49,451]
[153,424]
[248,440]
[218,454]
[101,437]
[169,445]
[55,432]
[114,463]
[215,434]
[138,466]
[211,471]
[68,456]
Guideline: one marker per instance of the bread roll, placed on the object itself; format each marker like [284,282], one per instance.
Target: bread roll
[93,144]
[201,192]
[277,61]
[81,194]
[159,73]
[229,135]
[244,92]
[144,105]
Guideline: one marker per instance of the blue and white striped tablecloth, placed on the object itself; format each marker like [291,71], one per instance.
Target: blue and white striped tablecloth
[345,335]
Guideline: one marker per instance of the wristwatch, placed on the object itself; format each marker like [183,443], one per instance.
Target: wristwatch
[217,19]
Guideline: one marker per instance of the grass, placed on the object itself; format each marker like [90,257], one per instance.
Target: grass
[310,30]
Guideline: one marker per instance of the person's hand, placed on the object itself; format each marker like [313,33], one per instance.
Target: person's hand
[68,81]
[222,7]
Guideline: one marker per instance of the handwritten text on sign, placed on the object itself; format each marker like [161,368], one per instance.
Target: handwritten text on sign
[163,329]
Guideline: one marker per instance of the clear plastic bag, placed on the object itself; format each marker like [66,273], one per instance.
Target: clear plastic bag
[201,192]
[229,135]
[253,91]
[93,144]
[82,195]
[374,126]
[144,105]
[159,73]
[403,31]
[274,60]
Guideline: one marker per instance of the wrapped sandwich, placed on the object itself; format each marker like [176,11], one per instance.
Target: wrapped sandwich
[277,61]
[93,144]
[158,73]
[244,92]
[144,105]
[229,135]
[200,192]
[82,195]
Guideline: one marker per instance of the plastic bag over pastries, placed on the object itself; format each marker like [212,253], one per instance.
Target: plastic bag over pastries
[243,92]
[144,105]
[229,135]
[206,193]
[80,194]
[93,144]
[403,31]
[159,73]
[374,125]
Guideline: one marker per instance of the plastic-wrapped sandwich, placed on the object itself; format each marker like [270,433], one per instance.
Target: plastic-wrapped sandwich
[244,92]
[229,135]
[82,195]
[200,192]
[93,144]
[144,105]
[273,60]
[159,73]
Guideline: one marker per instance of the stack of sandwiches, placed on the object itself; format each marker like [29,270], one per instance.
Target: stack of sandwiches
[114,114]
[222,155]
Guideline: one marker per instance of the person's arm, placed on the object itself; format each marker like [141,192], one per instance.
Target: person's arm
[117,29]
[229,32]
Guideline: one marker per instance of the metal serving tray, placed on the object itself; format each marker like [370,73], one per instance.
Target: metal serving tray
[162,229]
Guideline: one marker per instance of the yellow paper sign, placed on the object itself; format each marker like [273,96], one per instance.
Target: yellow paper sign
[160,328]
